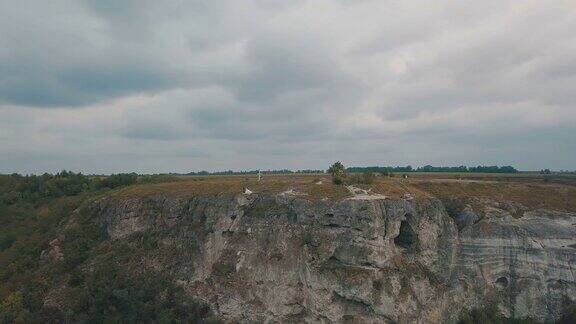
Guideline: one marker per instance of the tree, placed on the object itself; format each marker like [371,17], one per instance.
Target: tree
[337,169]
[338,172]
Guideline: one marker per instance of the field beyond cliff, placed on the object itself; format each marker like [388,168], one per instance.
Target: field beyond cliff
[531,190]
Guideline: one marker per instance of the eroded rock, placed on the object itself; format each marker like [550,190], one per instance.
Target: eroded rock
[284,258]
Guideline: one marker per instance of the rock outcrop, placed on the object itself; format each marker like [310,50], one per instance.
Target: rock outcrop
[284,258]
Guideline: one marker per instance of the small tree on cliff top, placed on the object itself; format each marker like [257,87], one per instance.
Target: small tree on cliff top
[338,172]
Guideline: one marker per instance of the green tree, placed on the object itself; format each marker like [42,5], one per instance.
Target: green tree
[337,169]
[338,172]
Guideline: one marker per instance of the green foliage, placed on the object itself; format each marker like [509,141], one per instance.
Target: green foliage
[111,294]
[13,310]
[337,169]
[364,178]
[387,173]
[35,189]
[116,180]
[6,240]
[338,172]
[254,172]
[32,188]
[340,175]
[156,178]
[378,169]
[34,210]
[80,239]
[337,180]
[429,168]
[25,231]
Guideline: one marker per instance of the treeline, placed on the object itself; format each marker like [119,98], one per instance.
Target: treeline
[429,168]
[374,169]
[33,188]
[253,172]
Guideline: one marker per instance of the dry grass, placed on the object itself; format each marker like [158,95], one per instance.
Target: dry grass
[531,192]
[233,185]
[531,195]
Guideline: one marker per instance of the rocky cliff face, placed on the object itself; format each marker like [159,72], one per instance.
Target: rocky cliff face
[282,258]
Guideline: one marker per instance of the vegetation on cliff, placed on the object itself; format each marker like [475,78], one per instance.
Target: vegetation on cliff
[38,222]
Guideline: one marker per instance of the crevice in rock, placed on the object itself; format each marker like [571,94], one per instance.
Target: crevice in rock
[502,282]
[333,225]
[333,259]
[353,305]
[407,237]
[377,285]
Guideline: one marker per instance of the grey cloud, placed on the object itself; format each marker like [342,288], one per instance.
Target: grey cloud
[285,83]
[151,132]
[80,85]
[73,58]
[280,64]
[229,122]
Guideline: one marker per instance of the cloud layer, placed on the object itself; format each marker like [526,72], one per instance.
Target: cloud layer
[150,86]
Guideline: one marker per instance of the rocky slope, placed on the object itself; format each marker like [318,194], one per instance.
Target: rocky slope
[286,258]
[368,258]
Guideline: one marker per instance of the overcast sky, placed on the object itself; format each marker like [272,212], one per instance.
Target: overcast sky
[103,86]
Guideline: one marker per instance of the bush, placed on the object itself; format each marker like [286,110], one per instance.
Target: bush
[111,294]
[337,180]
[338,172]
[13,310]
[364,178]
[6,241]
[33,188]
[116,180]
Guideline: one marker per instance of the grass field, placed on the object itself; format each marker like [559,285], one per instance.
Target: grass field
[532,190]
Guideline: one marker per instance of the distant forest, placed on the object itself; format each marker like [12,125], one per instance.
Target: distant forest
[375,169]
[77,182]
[429,168]
[230,172]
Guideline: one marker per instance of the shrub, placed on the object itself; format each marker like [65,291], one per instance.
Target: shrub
[364,178]
[111,294]
[337,180]
[116,180]
[6,241]
[12,309]
[338,172]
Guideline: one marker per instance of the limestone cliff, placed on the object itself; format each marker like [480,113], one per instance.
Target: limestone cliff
[283,257]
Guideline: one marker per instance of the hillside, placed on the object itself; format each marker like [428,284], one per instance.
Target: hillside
[298,248]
